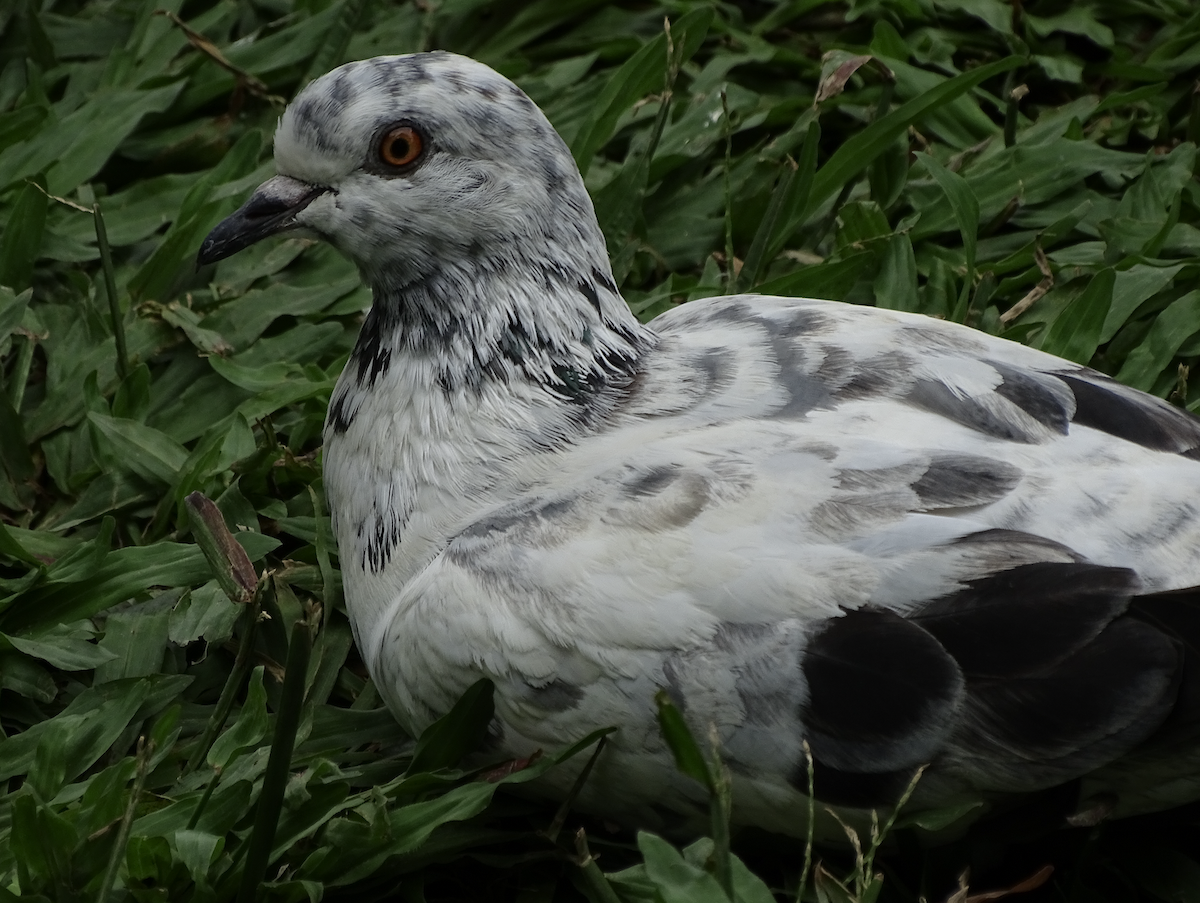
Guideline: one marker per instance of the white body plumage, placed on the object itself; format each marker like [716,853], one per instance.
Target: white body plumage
[898,539]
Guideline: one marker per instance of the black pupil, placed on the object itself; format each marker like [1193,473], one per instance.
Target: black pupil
[399,148]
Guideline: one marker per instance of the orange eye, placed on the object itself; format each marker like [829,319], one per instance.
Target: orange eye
[401,146]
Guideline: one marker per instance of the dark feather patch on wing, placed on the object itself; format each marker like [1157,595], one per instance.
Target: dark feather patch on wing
[1177,614]
[1027,619]
[1040,397]
[881,693]
[955,481]
[1030,732]
[1131,415]
[938,398]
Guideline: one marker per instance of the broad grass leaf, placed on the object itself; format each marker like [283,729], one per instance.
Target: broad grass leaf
[675,879]
[131,215]
[960,122]
[136,638]
[141,449]
[243,320]
[87,727]
[1170,330]
[747,886]
[132,398]
[360,846]
[81,142]
[197,851]
[798,191]
[888,174]
[1132,288]
[828,889]
[12,312]
[149,860]
[222,445]
[15,457]
[225,808]
[641,74]
[21,241]
[187,320]
[27,678]
[74,356]
[678,737]
[19,125]
[896,282]
[82,561]
[332,52]
[124,574]
[1080,20]
[322,802]
[203,613]
[1032,173]
[1060,68]
[938,819]
[1075,332]
[289,46]
[108,492]
[856,154]
[1149,208]
[105,799]
[831,280]
[460,731]
[269,401]
[530,21]
[860,222]
[42,842]
[963,204]
[204,207]
[69,647]
[13,548]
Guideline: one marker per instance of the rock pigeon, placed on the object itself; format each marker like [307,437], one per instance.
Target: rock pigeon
[896,540]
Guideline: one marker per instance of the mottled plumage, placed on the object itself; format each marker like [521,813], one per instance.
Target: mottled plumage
[899,539]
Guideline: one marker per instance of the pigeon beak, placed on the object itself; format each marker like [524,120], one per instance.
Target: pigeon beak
[271,209]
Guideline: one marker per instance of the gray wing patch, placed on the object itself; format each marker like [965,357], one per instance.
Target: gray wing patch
[960,481]
[1131,415]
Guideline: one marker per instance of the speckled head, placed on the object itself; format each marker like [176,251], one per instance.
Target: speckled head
[488,173]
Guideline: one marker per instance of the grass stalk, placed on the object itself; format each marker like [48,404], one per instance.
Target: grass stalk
[811,827]
[233,683]
[721,813]
[270,799]
[731,273]
[205,797]
[20,375]
[144,753]
[596,886]
[560,817]
[110,287]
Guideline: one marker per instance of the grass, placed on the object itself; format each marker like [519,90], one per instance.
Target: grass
[183,727]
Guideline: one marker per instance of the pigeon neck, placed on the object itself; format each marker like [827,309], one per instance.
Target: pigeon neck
[565,332]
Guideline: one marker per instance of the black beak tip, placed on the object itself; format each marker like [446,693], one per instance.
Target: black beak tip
[209,253]
[264,214]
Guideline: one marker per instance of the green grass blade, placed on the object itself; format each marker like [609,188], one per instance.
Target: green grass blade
[21,243]
[110,287]
[853,157]
[270,799]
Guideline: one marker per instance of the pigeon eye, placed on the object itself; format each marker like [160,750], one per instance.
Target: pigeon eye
[401,146]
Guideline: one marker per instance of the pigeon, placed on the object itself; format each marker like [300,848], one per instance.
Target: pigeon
[847,542]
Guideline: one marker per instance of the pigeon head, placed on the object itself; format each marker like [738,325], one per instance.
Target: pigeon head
[465,213]
[417,165]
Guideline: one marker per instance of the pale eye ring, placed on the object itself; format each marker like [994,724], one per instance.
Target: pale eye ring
[401,146]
